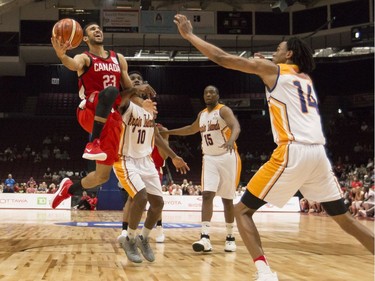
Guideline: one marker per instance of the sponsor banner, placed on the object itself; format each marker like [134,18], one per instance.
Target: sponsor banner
[194,203]
[203,22]
[160,22]
[34,215]
[30,201]
[120,21]
[234,23]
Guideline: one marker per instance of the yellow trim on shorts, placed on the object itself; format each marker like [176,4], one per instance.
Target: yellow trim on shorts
[122,175]
[263,181]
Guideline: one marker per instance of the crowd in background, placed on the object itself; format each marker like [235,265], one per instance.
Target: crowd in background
[349,145]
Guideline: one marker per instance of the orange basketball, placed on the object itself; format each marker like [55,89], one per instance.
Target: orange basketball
[68,30]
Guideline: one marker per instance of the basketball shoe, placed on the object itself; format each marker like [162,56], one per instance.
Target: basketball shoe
[144,245]
[93,151]
[131,250]
[121,238]
[203,245]
[230,244]
[266,276]
[160,237]
[62,193]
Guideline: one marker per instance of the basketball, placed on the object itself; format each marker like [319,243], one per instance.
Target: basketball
[69,30]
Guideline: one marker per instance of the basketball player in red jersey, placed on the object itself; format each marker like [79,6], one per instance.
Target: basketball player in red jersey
[159,161]
[101,75]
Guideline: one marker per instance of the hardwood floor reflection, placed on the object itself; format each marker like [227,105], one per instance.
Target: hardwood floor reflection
[299,247]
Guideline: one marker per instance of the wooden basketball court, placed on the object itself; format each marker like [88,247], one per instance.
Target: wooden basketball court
[299,247]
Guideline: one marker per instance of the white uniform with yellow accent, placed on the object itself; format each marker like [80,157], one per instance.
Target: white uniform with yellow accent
[221,169]
[299,161]
[135,169]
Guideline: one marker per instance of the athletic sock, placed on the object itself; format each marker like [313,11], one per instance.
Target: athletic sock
[96,130]
[132,233]
[75,188]
[229,227]
[205,227]
[125,225]
[145,232]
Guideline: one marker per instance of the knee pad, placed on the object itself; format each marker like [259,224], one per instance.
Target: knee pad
[105,101]
[251,201]
[335,208]
[108,95]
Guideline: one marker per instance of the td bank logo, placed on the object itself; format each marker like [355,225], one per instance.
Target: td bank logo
[41,200]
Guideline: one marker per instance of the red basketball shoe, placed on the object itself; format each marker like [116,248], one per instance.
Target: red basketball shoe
[93,151]
[62,192]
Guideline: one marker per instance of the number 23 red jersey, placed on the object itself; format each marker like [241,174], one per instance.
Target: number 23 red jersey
[101,73]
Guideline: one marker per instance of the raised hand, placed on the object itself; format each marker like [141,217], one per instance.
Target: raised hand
[60,48]
[150,106]
[183,24]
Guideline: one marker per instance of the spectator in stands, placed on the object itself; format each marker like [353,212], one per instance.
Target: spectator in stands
[62,173]
[10,181]
[31,182]
[47,141]
[8,189]
[369,198]
[16,188]
[42,188]
[66,138]
[184,187]
[37,158]
[46,152]
[347,197]
[83,203]
[304,205]
[164,189]
[22,188]
[65,155]
[27,149]
[8,153]
[93,201]
[55,177]
[364,127]
[219,130]
[198,189]
[177,190]
[56,152]
[31,187]
[48,174]
[69,173]
[52,188]
[359,196]
[356,182]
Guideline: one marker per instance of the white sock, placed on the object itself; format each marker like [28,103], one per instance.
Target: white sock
[205,227]
[229,227]
[132,233]
[145,232]
[124,232]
